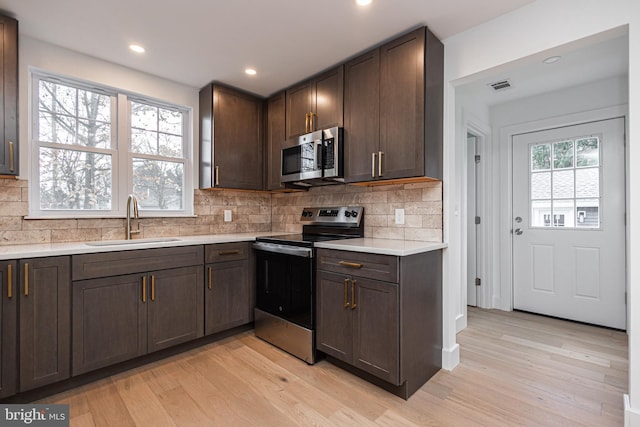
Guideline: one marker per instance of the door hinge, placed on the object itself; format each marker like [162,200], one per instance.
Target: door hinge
[477,157]
[478,281]
[477,220]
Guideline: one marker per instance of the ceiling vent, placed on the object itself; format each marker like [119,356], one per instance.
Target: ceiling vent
[500,85]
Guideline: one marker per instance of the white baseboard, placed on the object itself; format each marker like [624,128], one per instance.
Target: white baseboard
[450,357]
[631,415]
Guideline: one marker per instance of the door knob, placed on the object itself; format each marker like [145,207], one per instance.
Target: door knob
[518,219]
[518,231]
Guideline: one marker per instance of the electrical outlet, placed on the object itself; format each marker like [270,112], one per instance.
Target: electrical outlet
[227,216]
[399,216]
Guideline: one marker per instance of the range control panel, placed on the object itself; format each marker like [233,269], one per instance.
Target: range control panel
[333,215]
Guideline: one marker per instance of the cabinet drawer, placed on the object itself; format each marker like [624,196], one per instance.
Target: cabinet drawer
[89,266]
[372,266]
[226,252]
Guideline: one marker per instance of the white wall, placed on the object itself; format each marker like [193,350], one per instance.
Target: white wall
[530,30]
[54,59]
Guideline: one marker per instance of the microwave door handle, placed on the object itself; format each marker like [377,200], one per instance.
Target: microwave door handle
[319,154]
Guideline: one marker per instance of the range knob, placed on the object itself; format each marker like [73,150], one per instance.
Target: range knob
[347,214]
[354,214]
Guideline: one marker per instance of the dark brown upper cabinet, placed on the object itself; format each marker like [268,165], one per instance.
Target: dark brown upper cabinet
[316,103]
[393,110]
[9,96]
[275,137]
[230,138]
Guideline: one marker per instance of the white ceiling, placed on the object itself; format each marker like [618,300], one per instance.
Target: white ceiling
[197,41]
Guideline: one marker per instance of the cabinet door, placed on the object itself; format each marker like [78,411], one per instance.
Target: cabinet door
[334,315]
[376,334]
[9,96]
[8,328]
[45,313]
[362,116]
[237,139]
[109,321]
[402,106]
[328,99]
[299,104]
[175,307]
[275,138]
[227,296]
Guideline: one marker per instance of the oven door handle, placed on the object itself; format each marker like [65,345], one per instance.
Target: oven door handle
[284,249]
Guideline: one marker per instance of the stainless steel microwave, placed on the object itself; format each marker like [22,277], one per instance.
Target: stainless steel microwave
[314,158]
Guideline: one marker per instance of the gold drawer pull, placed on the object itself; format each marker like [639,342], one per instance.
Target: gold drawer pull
[11,157]
[210,271]
[373,165]
[232,252]
[350,264]
[9,281]
[380,153]
[153,287]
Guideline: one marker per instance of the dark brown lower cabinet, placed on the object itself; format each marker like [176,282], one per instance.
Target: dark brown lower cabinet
[45,315]
[228,295]
[389,329]
[8,328]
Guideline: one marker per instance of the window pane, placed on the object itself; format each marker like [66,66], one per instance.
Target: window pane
[144,116]
[563,155]
[541,185]
[170,121]
[92,133]
[587,152]
[94,106]
[588,182]
[562,215]
[62,98]
[540,157]
[563,185]
[541,213]
[56,128]
[170,145]
[158,185]
[588,213]
[72,179]
[144,141]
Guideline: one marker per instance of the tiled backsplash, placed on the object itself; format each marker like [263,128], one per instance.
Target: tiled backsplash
[422,203]
[251,212]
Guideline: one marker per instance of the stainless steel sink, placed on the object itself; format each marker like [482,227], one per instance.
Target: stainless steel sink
[132,242]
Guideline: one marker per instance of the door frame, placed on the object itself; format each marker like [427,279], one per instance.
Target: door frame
[503,298]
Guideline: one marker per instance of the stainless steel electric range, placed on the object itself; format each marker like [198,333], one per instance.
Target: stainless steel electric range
[285,277]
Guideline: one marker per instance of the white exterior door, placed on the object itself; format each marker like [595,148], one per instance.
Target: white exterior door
[568,222]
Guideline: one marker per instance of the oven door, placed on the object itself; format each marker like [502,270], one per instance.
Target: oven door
[284,282]
[302,158]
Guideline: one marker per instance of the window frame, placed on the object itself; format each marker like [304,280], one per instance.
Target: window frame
[120,151]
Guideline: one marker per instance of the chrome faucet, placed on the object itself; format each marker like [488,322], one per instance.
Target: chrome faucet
[133,199]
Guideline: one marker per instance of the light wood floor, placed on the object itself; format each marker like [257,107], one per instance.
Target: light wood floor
[516,369]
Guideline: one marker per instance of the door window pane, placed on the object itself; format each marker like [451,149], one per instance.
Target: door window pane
[541,185]
[540,157]
[541,213]
[588,213]
[588,182]
[587,152]
[563,184]
[563,155]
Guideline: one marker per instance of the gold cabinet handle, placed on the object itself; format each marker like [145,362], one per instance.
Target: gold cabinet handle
[380,153]
[306,122]
[153,287]
[11,157]
[216,178]
[26,280]
[312,125]
[9,281]
[353,295]
[231,252]
[346,297]
[373,165]
[144,288]
[210,273]
[350,264]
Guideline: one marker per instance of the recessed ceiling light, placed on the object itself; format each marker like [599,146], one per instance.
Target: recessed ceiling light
[250,71]
[552,59]
[363,2]
[136,48]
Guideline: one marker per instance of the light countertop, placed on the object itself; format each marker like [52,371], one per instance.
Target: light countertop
[376,246]
[382,246]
